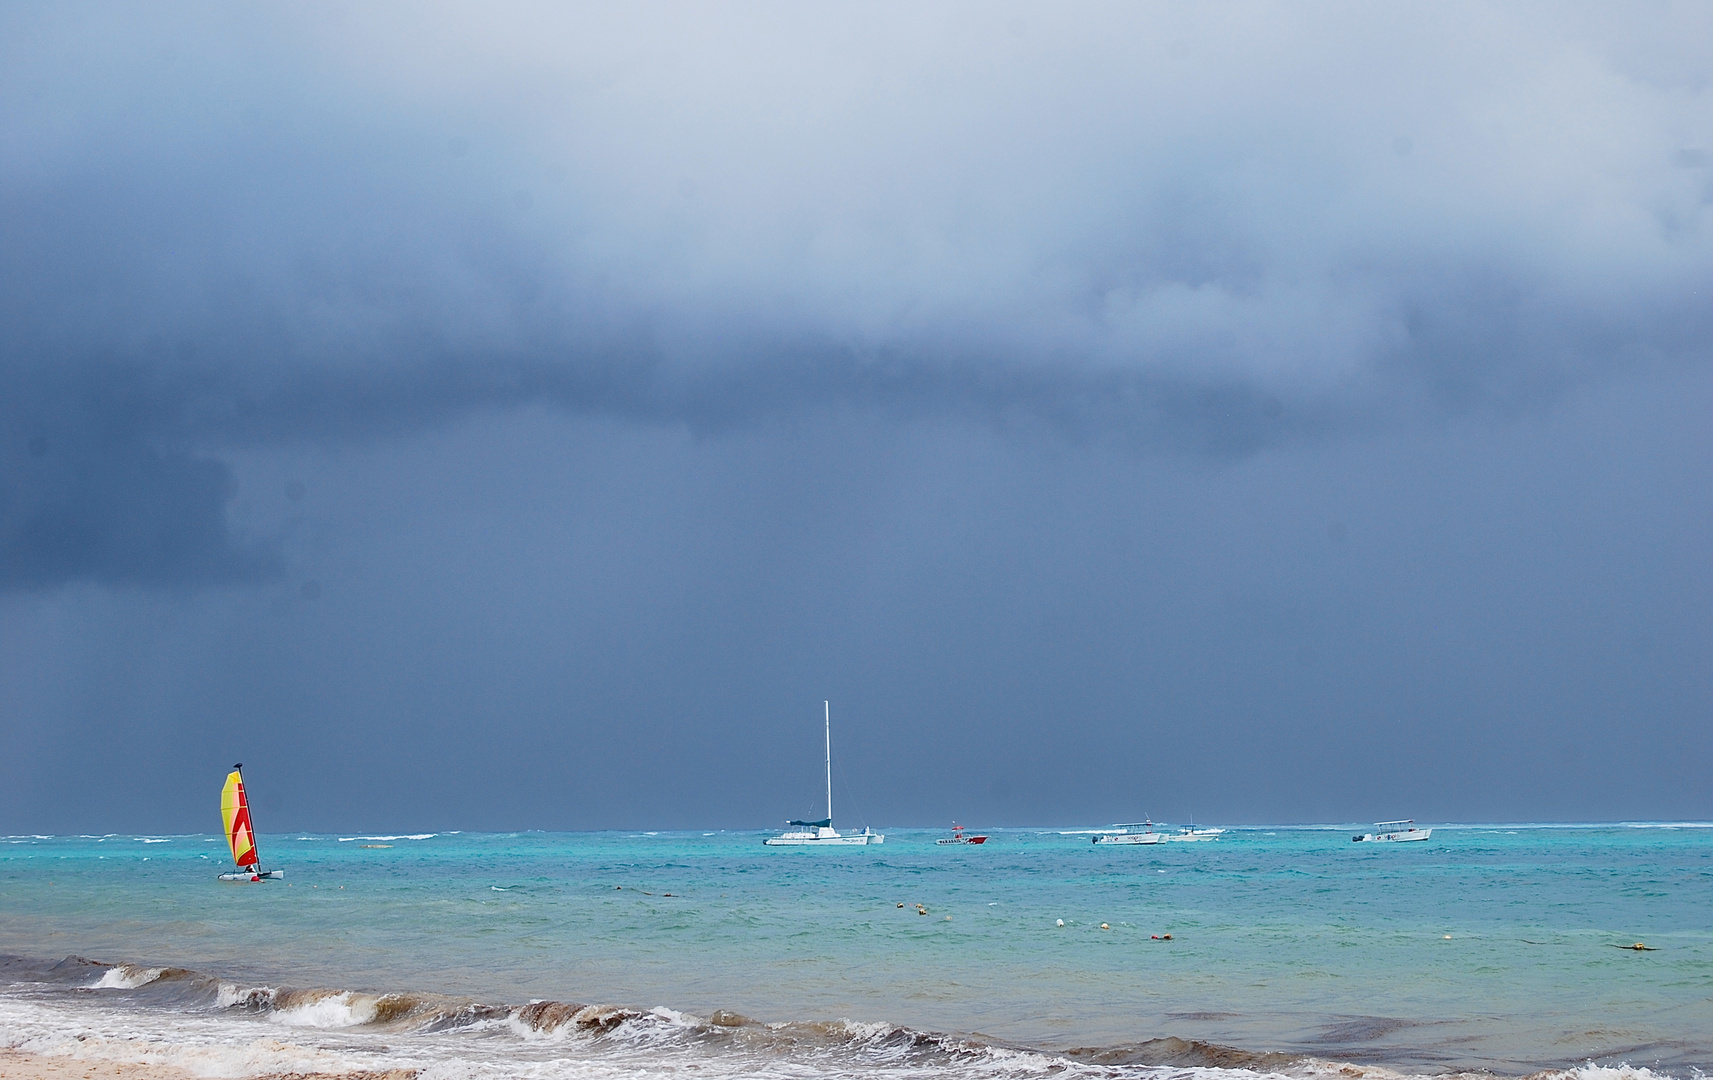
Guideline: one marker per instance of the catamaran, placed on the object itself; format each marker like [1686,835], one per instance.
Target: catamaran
[1393,832]
[821,833]
[240,835]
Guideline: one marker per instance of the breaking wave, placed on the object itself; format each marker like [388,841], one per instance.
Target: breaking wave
[412,836]
[126,977]
[400,1035]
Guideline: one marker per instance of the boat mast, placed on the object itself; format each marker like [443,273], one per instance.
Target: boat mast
[829,710]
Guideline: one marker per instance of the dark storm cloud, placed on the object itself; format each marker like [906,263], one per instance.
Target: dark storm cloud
[1197,231]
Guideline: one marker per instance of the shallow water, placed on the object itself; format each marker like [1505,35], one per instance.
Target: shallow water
[1484,947]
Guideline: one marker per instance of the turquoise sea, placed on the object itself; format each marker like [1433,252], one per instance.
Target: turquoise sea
[1292,950]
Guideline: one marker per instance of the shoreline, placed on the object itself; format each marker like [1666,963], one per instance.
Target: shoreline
[403,1014]
[28,1065]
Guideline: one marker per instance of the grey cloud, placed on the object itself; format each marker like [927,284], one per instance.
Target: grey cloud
[1186,231]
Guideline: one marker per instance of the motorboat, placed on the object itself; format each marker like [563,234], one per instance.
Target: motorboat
[1122,834]
[1190,832]
[1150,834]
[1393,832]
[960,837]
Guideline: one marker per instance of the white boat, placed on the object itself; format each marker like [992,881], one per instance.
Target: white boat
[1393,832]
[821,833]
[240,834]
[1121,834]
[1190,832]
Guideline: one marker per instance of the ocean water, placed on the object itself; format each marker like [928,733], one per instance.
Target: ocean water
[461,955]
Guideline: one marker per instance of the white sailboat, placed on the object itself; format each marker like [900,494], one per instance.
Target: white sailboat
[821,833]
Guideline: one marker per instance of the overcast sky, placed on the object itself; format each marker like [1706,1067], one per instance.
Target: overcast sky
[526,416]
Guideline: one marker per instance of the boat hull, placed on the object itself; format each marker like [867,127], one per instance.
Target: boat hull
[857,840]
[962,840]
[1131,838]
[1394,837]
[244,875]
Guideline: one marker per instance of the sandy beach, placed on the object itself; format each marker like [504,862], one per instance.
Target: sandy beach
[18,1065]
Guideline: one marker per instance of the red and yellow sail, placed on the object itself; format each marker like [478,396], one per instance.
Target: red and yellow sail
[235,809]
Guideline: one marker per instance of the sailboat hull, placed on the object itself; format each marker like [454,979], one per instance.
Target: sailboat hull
[825,841]
[245,875]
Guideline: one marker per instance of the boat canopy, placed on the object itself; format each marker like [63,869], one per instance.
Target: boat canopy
[824,823]
[235,809]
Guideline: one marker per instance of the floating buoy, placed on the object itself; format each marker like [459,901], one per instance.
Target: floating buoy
[1103,926]
[1061,922]
[901,903]
[1448,937]
[948,918]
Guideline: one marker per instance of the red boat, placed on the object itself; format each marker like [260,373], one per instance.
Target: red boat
[958,837]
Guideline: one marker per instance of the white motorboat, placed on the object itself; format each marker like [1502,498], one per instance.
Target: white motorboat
[1121,834]
[1190,832]
[821,833]
[1393,832]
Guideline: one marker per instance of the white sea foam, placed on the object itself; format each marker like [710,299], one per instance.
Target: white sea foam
[413,836]
[125,977]
[661,1042]
[340,1010]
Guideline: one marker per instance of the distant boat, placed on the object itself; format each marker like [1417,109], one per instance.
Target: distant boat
[1122,834]
[958,837]
[1190,832]
[1388,832]
[821,833]
[240,834]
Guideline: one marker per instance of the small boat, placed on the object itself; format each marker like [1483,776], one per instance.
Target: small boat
[1121,834]
[240,834]
[958,837]
[1190,832]
[821,833]
[1393,832]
